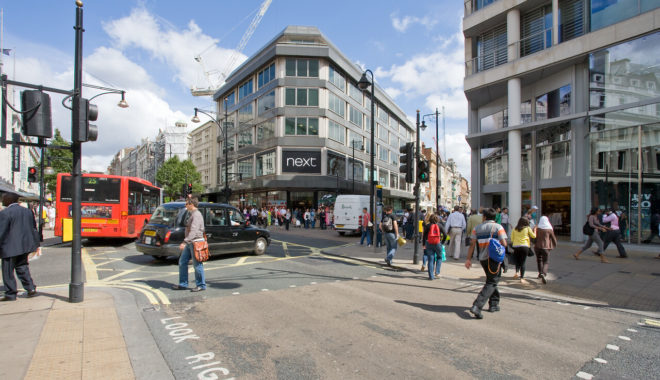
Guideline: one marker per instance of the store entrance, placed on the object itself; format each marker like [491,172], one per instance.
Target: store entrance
[556,205]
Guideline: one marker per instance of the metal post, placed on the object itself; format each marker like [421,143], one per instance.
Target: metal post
[224,127]
[41,189]
[353,164]
[639,184]
[416,221]
[438,181]
[372,207]
[76,286]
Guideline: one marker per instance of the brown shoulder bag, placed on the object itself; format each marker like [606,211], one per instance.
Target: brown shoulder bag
[201,250]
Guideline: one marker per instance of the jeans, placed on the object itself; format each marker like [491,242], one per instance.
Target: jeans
[187,254]
[434,254]
[614,236]
[365,233]
[390,240]
[410,230]
[520,253]
[489,292]
[18,264]
[307,224]
[313,223]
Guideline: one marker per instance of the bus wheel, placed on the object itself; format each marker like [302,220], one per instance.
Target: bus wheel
[260,246]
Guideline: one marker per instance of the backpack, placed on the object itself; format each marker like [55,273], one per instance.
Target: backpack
[496,250]
[388,226]
[434,234]
[587,229]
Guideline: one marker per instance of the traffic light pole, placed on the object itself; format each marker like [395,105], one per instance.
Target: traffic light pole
[41,189]
[416,221]
[76,286]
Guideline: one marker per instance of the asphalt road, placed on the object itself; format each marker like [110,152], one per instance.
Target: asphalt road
[295,313]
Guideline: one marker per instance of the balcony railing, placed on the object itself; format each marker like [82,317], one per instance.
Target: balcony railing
[471,6]
[486,61]
[533,43]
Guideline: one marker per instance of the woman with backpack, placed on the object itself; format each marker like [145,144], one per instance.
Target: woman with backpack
[592,228]
[431,243]
[545,242]
[521,239]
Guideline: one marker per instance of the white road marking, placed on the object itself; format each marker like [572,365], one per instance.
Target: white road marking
[313,283]
[612,347]
[236,293]
[584,375]
[292,286]
[632,330]
[601,361]
[356,278]
[374,276]
[562,303]
[264,290]
[587,307]
[623,337]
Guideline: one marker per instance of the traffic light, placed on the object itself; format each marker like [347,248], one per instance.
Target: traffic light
[423,171]
[190,188]
[32,174]
[82,130]
[36,114]
[407,161]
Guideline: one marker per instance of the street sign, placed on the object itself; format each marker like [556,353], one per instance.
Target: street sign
[16,153]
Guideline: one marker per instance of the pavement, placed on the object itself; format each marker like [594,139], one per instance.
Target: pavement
[105,336]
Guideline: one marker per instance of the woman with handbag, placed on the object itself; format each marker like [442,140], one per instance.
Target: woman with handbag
[194,232]
[521,241]
[545,242]
[595,228]
[431,241]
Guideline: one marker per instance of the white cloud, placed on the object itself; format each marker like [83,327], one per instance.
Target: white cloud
[393,92]
[402,24]
[177,48]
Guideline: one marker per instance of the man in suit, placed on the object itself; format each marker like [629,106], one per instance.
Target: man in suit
[18,237]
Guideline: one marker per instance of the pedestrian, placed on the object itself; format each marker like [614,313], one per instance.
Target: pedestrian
[404,223]
[194,232]
[425,224]
[614,233]
[505,220]
[365,220]
[431,242]
[480,239]
[307,217]
[593,233]
[391,230]
[545,242]
[655,225]
[521,240]
[455,226]
[18,238]
[322,217]
[498,216]
[531,216]
[312,216]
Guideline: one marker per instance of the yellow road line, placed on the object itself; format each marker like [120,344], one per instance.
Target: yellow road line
[122,273]
[652,322]
[241,260]
[147,294]
[108,261]
[163,298]
[285,248]
[90,268]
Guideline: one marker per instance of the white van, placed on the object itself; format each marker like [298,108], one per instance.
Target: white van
[347,213]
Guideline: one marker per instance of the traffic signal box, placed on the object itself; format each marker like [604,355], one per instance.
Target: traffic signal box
[423,171]
[407,160]
[32,174]
[82,130]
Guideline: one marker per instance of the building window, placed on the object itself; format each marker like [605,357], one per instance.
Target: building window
[382,133]
[394,141]
[394,181]
[266,130]
[355,93]
[554,103]
[245,168]
[395,158]
[231,99]
[337,79]
[245,115]
[383,177]
[601,161]
[382,115]
[526,112]
[306,97]
[302,67]
[491,49]
[336,104]
[383,153]
[621,162]
[266,75]
[536,30]
[336,164]
[605,13]
[301,126]
[266,164]
[498,120]
[245,138]
[355,170]
[336,131]
[266,102]
[355,115]
[571,19]
[245,89]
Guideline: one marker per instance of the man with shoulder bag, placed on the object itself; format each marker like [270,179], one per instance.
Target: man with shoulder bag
[481,241]
[194,233]
[391,230]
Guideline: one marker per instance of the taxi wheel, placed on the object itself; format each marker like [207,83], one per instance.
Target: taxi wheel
[260,246]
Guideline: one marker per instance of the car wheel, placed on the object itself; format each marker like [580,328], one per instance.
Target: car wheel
[260,246]
[160,258]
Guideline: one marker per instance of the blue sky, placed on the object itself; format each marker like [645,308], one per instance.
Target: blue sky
[147,48]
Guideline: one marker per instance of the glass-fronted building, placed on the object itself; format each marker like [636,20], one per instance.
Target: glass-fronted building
[564,108]
[299,127]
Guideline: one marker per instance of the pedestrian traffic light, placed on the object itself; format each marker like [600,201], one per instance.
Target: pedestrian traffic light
[190,188]
[36,114]
[407,160]
[82,130]
[423,171]
[32,174]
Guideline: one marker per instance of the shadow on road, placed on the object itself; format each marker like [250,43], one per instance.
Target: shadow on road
[460,311]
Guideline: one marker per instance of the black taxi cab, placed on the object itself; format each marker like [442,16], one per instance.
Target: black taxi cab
[227,231]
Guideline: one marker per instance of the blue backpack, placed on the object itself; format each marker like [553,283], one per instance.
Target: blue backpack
[496,251]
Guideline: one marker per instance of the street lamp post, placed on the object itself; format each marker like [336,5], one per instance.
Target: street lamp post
[195,119]
[418,158]
[438,173]
[364,84]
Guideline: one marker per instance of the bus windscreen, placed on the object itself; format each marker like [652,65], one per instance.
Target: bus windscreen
[94,190]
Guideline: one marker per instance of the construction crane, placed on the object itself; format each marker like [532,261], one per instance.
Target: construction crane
[213,87]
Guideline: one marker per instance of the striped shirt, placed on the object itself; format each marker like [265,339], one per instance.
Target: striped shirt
[482,234]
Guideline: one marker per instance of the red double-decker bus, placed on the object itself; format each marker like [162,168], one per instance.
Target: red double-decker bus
[112,206]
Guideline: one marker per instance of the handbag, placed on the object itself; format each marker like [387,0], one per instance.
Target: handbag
[201,250]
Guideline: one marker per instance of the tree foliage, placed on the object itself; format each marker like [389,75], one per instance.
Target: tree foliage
[175,173]
[61,160]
